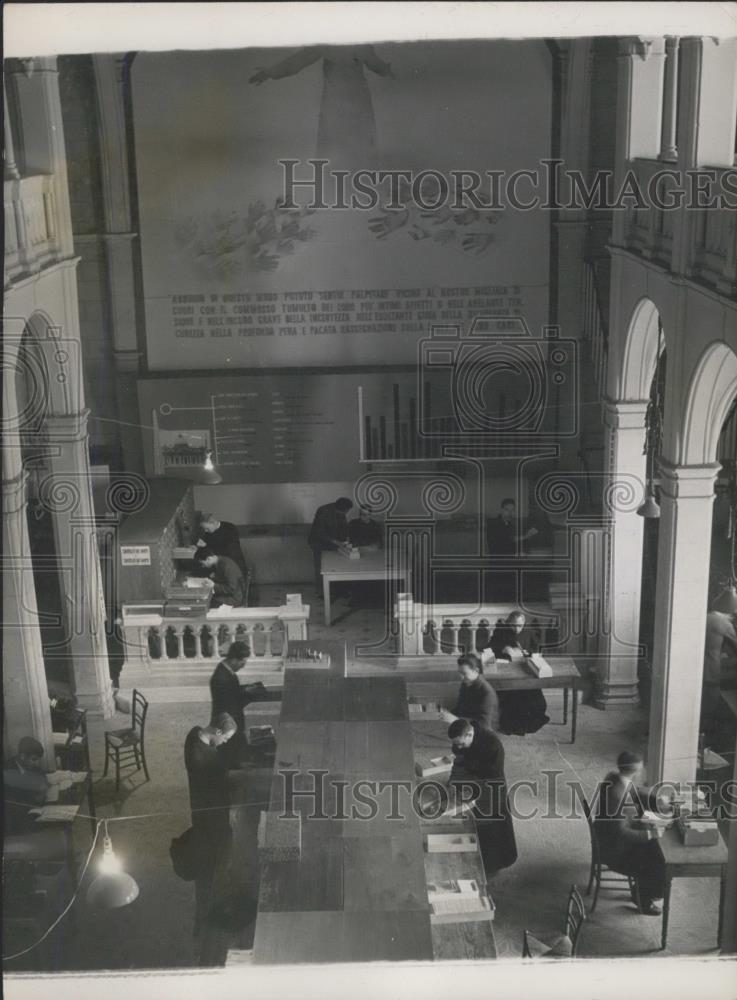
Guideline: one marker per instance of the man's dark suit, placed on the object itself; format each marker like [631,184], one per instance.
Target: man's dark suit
[624,847]
[329,526]
[230,586]
[225,541]
[229,697]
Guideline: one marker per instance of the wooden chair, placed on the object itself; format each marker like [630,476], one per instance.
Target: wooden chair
[600,873]
[126,746]
[563,945]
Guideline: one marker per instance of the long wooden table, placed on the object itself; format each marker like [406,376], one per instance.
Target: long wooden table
[337,568]
[359,889]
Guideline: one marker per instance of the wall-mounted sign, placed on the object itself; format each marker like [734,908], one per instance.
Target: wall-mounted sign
[135,555]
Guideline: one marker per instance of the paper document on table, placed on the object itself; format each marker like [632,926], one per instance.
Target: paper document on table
[539,666]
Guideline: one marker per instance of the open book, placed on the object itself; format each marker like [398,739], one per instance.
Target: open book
[460,899]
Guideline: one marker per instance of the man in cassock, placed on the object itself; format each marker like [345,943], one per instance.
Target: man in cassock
[479,761]
[523,711]
[222,538]
[209,797]
[329,532]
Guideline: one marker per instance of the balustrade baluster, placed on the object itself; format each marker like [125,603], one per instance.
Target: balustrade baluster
[267,643]
[196,634]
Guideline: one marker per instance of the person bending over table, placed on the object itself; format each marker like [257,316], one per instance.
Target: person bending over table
[479,761]
[329,532]
[521,712]
[26,785]
[230,587]
[625,845]
[222,538]
[209,799]
[477,699]
[230,697]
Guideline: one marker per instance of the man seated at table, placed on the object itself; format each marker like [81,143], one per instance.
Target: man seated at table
[364,532]
[230,587]
[329,532]
[26,785]
[626,844]
[222,538]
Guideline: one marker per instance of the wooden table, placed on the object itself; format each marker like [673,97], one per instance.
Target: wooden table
[691,862]
[338,568]
[358,891]
[507,676]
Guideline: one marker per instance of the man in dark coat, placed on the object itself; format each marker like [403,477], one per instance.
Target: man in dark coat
[209,797]
[625,844]
[522,711]
[230,587]
[222,538]
[479,760]
[230,697]
[364,532]
[503,539]
[328,533]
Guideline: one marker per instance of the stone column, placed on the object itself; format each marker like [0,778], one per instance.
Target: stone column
[617,674]
[668,150]
[684,550]
[25,693]
[38,103]
[67,494]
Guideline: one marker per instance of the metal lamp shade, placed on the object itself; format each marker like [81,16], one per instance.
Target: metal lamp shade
[649,508]
[110,891]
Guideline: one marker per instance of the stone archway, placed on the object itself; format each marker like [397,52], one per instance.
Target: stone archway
[711,392]
[38,352]
[623,534]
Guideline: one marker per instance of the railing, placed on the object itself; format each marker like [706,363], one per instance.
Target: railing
[30,231]
[595,329]
[713,234]
[157,641]
[452,629]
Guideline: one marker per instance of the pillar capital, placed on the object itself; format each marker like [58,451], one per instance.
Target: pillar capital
[65,427]
[14,494]
[689,482]
[625,414]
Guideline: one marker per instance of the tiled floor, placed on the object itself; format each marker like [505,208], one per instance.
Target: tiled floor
[156,931]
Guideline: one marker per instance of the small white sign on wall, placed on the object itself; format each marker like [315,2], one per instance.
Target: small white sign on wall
[135,555]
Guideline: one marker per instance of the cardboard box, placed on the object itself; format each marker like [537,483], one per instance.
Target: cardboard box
[698,832]
[437,765]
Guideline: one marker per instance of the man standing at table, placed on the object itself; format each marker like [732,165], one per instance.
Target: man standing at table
[479,761]
[230,697]
[222,538]
[625,844]
[329,532]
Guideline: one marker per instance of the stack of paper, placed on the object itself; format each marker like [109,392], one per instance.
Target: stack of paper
[458,900]
[539,666]
[437,765]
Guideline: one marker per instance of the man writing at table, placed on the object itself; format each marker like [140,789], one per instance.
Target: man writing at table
[329,532]
[222,538]
[229,586]
[230,697]
[626,844]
